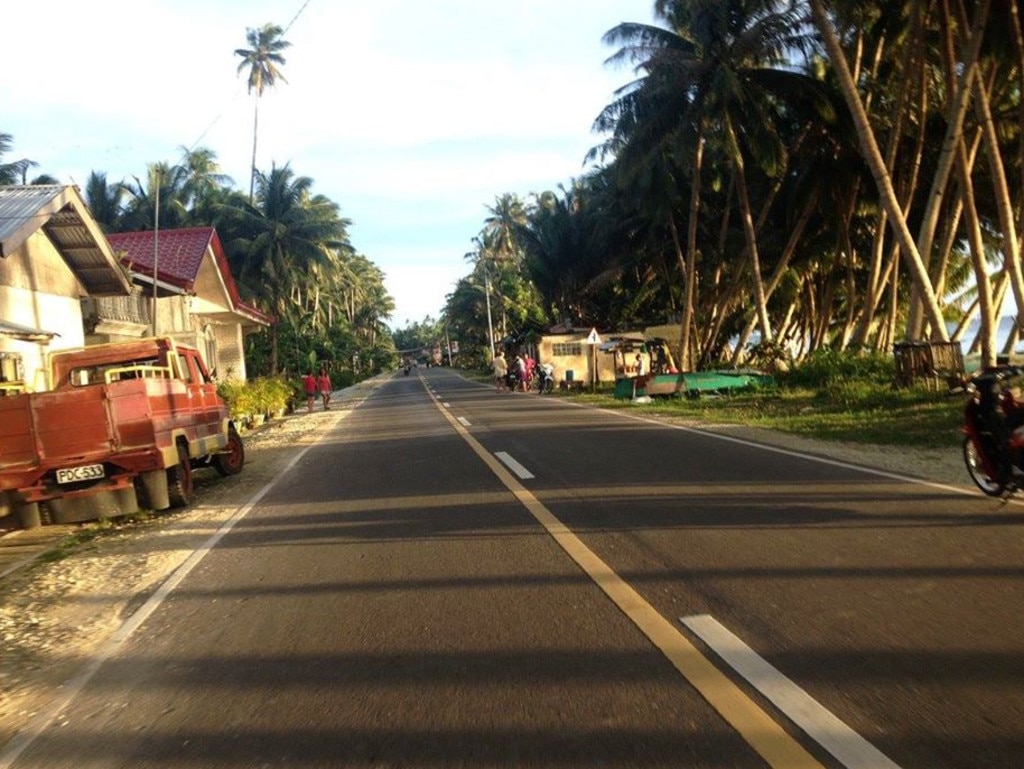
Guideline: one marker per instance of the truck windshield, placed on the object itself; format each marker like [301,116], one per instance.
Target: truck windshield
[147,368]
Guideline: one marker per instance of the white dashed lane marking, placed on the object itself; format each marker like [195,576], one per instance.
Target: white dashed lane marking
[513,465]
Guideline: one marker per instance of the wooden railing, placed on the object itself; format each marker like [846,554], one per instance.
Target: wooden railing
[935,363]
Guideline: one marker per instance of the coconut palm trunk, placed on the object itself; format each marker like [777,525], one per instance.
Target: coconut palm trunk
[876,163]
[255,133]
[747,219]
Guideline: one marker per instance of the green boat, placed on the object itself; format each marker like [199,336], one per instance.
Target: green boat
[665,380]
[691,384]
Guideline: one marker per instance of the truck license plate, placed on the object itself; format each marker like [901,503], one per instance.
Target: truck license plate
[83,473]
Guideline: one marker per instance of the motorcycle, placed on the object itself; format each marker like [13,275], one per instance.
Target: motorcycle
[993,428]
[545,379]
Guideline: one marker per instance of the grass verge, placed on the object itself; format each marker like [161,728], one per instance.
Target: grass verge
[853,412]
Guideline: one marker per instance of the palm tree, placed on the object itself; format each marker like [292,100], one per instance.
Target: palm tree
[16,172]
[506,215]
[279,238]
[6,172]
[564,266]
[876,162]
[262,58]
[104,200]
[163,187]
[719,71]
[201,176]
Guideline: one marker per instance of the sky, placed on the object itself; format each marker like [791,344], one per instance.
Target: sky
[412,116]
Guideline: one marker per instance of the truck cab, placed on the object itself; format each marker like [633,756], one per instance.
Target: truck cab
[122,421]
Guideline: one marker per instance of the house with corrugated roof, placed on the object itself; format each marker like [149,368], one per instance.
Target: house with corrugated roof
[52,255]
[185,274]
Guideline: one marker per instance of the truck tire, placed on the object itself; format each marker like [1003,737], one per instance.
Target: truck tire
[102,505]
[153,490]
[230,462]
[28,514]
[179,479]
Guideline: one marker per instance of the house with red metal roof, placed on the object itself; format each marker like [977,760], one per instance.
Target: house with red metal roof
[185,274]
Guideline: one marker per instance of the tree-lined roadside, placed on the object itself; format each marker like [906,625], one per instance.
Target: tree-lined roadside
[783,177]
[844,398]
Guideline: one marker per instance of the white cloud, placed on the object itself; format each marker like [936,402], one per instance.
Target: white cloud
[412,116]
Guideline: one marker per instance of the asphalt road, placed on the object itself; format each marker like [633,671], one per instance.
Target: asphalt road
[459,578]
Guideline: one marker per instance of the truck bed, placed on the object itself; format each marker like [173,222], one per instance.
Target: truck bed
[49,427]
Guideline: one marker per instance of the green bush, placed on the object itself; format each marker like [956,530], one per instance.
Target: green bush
[266,395]
[343,379]
[826,368]
[240,399]
[275,394]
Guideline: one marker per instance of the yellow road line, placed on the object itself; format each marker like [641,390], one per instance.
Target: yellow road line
[777,747]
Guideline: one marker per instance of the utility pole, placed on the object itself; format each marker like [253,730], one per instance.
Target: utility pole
[490,327]
[156,245]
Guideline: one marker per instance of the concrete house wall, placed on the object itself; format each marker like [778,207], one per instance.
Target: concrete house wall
[39,290]
[575,360]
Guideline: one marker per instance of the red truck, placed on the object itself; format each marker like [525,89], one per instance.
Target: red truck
[124,424]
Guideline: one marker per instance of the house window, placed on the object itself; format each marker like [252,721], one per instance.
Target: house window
[567,349]
[210,349]
[12,373]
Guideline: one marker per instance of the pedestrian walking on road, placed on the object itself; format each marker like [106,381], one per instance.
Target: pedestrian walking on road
[309,385]
[324,383]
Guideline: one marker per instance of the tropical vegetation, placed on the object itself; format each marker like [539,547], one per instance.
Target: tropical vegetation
[797,175]
[289,252]
[288,247]
[777,177]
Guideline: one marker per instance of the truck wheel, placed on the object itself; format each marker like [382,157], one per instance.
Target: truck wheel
[28,514]
[230,462]
[179,479]
[154,489]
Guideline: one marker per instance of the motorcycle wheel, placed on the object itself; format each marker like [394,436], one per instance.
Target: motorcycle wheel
[976,469]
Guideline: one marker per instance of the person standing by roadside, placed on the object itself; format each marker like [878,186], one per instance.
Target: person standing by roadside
[500,371]
[309,385]
[529,366]
[519,368]
[324,383]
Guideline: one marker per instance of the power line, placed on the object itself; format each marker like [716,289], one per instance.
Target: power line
[238,87]
[296,16]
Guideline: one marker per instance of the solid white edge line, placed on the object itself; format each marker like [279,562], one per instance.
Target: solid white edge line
[71,688]
[513,465]
[793,453]
[966,491]
[817,722]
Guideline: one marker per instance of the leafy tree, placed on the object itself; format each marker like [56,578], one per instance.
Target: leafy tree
[417,336]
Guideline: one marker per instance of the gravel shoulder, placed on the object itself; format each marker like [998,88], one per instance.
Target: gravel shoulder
[55,614]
